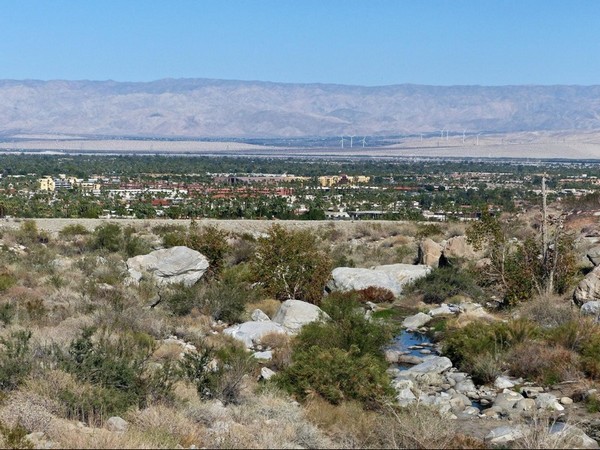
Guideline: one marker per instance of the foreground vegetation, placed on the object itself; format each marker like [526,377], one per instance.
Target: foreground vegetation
[82,344]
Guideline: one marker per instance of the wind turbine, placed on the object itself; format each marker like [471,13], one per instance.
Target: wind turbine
[364,141]
[478,138]
[351,137]
[464,131]
[342,141]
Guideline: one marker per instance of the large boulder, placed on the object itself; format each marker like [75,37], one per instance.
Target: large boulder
[294,314]
[457,248]
[250,333]
[169,265]
[392,277]
[588,289]
[429,252]
[416,321]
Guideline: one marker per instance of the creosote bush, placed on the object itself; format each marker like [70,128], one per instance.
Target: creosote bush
[340,359]
[445,282]
[291,264]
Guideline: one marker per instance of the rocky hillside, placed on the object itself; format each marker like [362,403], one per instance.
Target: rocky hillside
[217,108]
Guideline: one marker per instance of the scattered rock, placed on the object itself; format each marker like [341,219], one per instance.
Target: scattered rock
[259,316]
[263,356]
[431,365]
[503,382]
[593,255]
[266,373]
[250,333]
[170,265]
[566,401]
[294,314]
[547,401]
[443,310]
[506,400]
[591,308]
[117,424]
[505,434]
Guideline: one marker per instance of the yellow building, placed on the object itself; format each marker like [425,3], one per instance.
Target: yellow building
[46,184]
[343,179]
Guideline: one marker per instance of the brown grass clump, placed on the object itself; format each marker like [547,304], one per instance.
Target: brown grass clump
[350,426]
[548,311]
[281,344]
[544,363]
[376,295]
[269,306]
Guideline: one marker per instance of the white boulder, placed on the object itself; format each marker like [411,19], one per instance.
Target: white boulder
[250,333]
[392,277]
[169,265]
[294,314]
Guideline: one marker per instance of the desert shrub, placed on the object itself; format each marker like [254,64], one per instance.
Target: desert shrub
[71,230]
[134,245]
[543,363]
[340,359]
[7,280]
[225,299]
[108,236]
[291,264]
[573,334]
[181,299]
[590,356]
[336,375]
[428,230]
[222,382]
[16,359]
[445,282]
[376,295]
[114,363]
[242,250]
[7,313]
[208,240]
[28,234]
[15,436]
[481,348]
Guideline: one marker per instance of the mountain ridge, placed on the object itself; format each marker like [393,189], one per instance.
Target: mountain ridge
[203,107]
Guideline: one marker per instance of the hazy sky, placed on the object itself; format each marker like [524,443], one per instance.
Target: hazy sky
[369,42]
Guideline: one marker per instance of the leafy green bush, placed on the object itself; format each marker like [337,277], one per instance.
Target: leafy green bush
[445,282]
[429,230]
[337,375]
[28,234]
[342,358]
[291,264]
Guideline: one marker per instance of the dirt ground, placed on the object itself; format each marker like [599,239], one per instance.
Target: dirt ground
[241,226]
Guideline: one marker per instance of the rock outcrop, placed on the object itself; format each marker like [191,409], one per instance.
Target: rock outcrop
[429,252]
[250,333]
[588,289]
[170,265]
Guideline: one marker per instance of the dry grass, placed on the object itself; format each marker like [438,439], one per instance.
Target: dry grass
[281,344]
[269,306]
[544,363]
[548,311]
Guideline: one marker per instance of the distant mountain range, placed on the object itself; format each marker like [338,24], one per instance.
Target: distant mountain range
[250,109]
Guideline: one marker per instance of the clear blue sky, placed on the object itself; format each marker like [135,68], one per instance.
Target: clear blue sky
[369,42]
